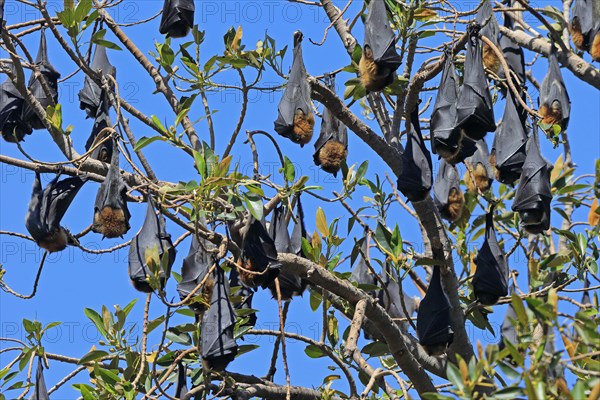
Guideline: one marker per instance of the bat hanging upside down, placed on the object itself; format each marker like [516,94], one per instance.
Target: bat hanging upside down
[373,76]
[303,127]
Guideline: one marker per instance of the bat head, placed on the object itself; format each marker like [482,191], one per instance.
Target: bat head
[490,59]
[436,350]
[576,34]
[331,156]
[111,222]
[456,203]
[477,178]
[303,127]
[487,299]
[54,241]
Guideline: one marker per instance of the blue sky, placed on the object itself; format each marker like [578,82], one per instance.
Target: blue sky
[72,280]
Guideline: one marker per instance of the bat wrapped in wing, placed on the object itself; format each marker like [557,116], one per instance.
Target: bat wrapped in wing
[474,109]
[219,347]
[513,54]
[555,106]
[181,388]
[243,297]
[259,265]
[534,193]
[416,177]
[508,149]
[489,29]
[508,332]
[12,125]
[100,131]
[446,136]
[289,284]
[480,172]
[389,298]
[447,195]
[379,60]
[195,270]
[433,319]
[51,75]
[47,208]
[91,94]
[111,215]
[296,120]
[151,253]
[585,27]
[39,389]
[361,273]
[331,148]
[177,18]
[490,281]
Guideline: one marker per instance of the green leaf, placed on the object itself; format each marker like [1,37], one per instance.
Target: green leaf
[159,124]
[314,351]
[376,349]
[255,205]
[91,356]
[246,348]
[145,141]
[322,222]
[454,375]
[289,172]
[177,336]
[96,319]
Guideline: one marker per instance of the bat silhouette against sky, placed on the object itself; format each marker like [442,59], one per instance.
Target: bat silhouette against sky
[296,120]
[12,125]
[181,388]
[513,54]
[508,149]
[480,172]
[35,86]
[585,27]
[508,332]
[534,193]
[447,196]
[555,106]
[39,389]
[218,344]
[177,18]
[152,239]
[46,209]
[489,29]
[290,284]
[379,60]
[392,303]
[475,113]
[102,121]
[490,281]
[242,296]
[446,136]
[416,177]
[90,95]
[433,319]
[331,148]
[111,215]
[259,255]
[195,269]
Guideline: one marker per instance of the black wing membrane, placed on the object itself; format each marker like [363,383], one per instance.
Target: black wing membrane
[513,54]
[259,255]
[331,148]
[480,172]
[90,95]
[152,237]
[111,214]
[447,195]
[555,106]
[47,208]
[416,177]
[489,29]
[534,193]
[35,86]
[289,283]
[361,274]
[475,113]
[490,281]
[379,60]
[177,18]
[508,149]
[390,298]
[433,319]
[12,125]
[39,390]
[195,269]
[218,344]
[446,135]
[243,297]
[508,332]
[296,119]
[99,131]
[181,388]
